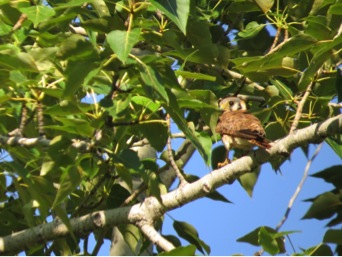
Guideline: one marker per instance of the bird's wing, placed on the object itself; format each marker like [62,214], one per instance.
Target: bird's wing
[243,125]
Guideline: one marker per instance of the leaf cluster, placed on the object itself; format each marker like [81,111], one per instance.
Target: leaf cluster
[108,72]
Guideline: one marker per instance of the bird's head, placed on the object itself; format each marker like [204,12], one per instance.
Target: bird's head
[232,104]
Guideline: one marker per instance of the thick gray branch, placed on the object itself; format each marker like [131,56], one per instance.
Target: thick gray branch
[151,209]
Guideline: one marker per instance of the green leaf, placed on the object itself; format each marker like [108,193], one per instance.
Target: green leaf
[72,3]
[19,61]
[251,30]
[156,188]
[153,79]
[76,126]
[177,115]
[61,213]
[146,103]
[260,68]
[189,233]
[268,242]
[122,42]
[333,236]
[130,159]
[203,101]
[284,90]
[338,84]
[215,195]
[38,13]
[176,10]
[117,196]
[319,250]
[324,206]
[249,180]
[195,75]
[189,250]
[198,33]
[155,133]
[251,238]
[265,5]
[76,73]
[335,144]
[336,8]
[322,52]
[218,155]
[131,235]
[271,240]
[66,107]
[76,47]
[331,175]
[69,181]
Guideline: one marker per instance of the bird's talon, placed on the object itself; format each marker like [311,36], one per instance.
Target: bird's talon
[221,164]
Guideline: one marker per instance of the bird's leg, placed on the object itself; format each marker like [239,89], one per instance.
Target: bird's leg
[225,162]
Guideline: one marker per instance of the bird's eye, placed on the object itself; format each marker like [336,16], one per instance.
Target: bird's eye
[231,103]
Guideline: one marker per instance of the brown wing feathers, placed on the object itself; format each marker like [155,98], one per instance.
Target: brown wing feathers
[244,125]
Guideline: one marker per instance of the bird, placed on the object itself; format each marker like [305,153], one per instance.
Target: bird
[239,128]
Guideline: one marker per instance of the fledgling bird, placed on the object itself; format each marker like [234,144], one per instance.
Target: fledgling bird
[239,128]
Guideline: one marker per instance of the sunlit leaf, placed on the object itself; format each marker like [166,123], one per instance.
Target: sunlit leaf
[153,79]
[20,61]
[319,250]
[335,144]
[251,30]
[194,75]
[267,241]
[71,3]
[177,11]
[285,91]
[265,5]
[321,53]
[38,13]
[177,115]
[122,42]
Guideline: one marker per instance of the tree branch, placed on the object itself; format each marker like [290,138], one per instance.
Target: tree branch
[173,164]
[152,208]
[156,238]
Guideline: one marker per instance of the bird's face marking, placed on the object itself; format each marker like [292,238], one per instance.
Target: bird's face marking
[232,104]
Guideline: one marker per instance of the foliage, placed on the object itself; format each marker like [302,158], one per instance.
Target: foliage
[141,60]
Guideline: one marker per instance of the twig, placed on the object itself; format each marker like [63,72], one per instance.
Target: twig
[299,187]
[301,105]
[155,237]
[335,105]
[237,75]
[276,48]
[276,38]
[172,160]
[40,119]
[20,22]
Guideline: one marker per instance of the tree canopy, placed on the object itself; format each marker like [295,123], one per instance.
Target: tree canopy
[88,92]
